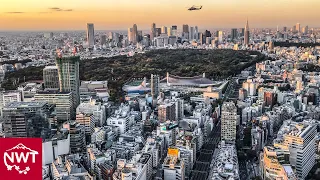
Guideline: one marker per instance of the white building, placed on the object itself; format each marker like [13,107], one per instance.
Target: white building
[228,122]
[299,139]
[95,108]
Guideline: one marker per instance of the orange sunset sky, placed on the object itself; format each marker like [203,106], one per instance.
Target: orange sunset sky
[120,14]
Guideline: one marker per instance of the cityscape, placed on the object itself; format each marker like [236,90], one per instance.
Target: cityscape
[174,101]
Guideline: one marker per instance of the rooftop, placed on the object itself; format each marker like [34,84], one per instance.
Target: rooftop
[33,104]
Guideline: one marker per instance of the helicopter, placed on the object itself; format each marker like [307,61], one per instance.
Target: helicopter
[194,8]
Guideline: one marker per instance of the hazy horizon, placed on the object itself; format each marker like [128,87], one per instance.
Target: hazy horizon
[53,15]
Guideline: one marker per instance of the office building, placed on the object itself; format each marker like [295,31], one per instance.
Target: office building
[220,36]
[299,139]
[234,34]
[226,162]
[158,32]
[298,28]
[191,33]
[50,77]
[86,120]
[275,164]
[26,119]
[135,34]
[96,108]
[63,102]
[130,34]
[246,34]
[90,34]
[68,70]
[185,31]
[228,122]
[305,30]
[270,98]
[284,29]
[164,30]
[167,112]
[155,88]
[77,136]
[103,39]
[10,96]
[196,33]
[174,30]
[153,31]
[173,166]
[169,31]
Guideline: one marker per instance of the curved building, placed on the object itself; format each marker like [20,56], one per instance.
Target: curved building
[196,81]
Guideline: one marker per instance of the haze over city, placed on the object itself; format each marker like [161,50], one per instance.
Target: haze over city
[118,15]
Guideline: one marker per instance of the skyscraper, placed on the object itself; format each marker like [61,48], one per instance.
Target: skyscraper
[68,69]
[135,34]
[169,31]
[234,34]
[90,34]
[298,27]
[155,88]
[196,33]
[305,30]
[130,34]
[164,30]
[284,29]
[220,36]
[103,39]
[246,34]
[174,30]
[50,77]
[153,31]
[185,31]
[158,32]
[191,33]
[228,122]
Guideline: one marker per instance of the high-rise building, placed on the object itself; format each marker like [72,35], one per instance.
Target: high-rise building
[297,141]
[90,34]
[63,102]
[158,32]
[173,166]
[242,32]
[228,122]
[246,34]
[153,31]
[77,136]
[103,39]
[305,30]
[169,30]
[86,120]
[185,31]
[174,30]
[135,34]
[196,33]
[167,112]
[68,69]
[164,30]
[234,34]
[26,119]
[220,36]
[270,98]
[298,27]
[284,29]
[50,77]
[191,33]
[202,38]
[130,34]
[155,88]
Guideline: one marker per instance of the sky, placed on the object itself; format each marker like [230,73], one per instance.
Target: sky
[121,14]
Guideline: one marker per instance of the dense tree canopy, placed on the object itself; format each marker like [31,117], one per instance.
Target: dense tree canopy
[117,70]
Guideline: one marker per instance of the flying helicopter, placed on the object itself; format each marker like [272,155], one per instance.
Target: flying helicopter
[194,8]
